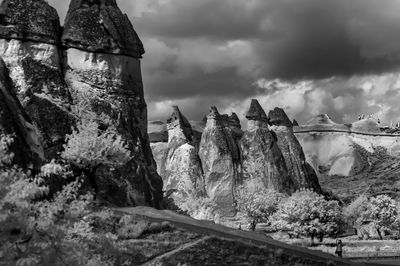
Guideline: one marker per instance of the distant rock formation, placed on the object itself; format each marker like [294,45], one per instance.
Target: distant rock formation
[92,64]
[262,160]
[299,171]
[183,171]
[331,148]
[265,155]
[219,155]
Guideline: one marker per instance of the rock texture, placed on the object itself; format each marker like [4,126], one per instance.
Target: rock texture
[104,72]
[262,160]
[92,65]
[30,32]
[219,155]
[14,122]
[299,171]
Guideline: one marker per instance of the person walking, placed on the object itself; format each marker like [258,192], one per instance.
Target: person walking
[339,248]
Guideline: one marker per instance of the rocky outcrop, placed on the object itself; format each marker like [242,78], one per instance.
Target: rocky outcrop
[183,171]
[262,160]
[219,155]
[104,74]
[30,34]
[302,175]
[14,122]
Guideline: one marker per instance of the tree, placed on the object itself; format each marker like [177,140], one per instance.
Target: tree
[89,148]
[258,205]
[307,213]
[380,211]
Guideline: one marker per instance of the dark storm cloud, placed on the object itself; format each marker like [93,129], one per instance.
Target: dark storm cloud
[294,38]
[201,51]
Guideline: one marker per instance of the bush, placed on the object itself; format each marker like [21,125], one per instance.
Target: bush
[306,213]
[258,205]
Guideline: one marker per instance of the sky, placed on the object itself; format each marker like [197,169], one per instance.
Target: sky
[309,57]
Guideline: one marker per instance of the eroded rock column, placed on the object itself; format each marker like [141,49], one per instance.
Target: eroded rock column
[262,160]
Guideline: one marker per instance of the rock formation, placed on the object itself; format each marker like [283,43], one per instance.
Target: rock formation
[14,122]
[92,66]
[299,171]
[103,70]
[183,171]
[219,155]
[30,35]
[262,161]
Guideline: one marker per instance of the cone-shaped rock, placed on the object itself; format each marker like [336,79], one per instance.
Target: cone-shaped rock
[29,33]
[100,26]
[14,121]
[177,162]
[302,174]
[262,160]
[278,117]
[256,112]
[179,128]
[103,71]
[218,162]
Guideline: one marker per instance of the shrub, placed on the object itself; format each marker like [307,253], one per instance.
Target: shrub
[258,205]
[306,213]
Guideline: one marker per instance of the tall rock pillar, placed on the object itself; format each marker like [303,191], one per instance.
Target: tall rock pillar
[302,174]
[218,153]
[103,71]
[262,160]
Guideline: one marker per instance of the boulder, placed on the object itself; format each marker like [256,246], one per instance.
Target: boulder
[219,159]
[29,36]
[299,171]
[15,122]
[262,160]
[103,72]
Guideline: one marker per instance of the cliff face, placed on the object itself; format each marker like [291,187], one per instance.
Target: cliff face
[332,148]
[263,163]
[96,69]
[302,174]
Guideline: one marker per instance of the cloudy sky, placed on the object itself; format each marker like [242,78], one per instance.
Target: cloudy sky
[339,57]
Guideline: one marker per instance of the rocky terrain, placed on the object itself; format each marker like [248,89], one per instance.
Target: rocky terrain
[217,159]
[61,76]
